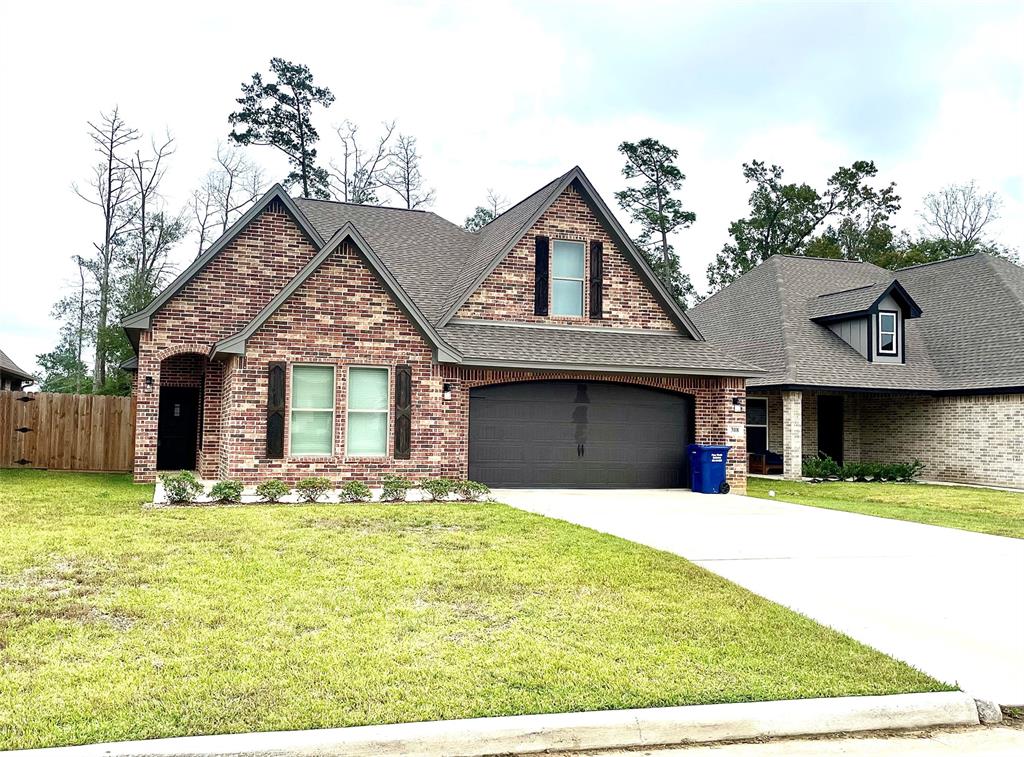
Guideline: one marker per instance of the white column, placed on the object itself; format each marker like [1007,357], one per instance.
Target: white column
[792,434]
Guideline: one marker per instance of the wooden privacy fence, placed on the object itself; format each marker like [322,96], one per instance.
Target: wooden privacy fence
[66,431]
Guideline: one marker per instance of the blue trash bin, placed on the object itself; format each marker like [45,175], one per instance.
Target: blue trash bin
[707,468]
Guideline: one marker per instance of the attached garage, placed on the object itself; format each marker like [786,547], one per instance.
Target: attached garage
[573,434]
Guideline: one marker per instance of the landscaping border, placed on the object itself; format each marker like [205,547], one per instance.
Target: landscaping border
[610,729]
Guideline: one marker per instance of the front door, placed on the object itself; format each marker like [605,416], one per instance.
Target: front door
[830,427]
[177,429]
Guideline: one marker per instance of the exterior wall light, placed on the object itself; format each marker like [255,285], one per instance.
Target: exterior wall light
[148,385]
[446,391]
[737,404]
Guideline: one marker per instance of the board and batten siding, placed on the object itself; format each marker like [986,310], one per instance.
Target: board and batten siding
[83,432]
[853,331]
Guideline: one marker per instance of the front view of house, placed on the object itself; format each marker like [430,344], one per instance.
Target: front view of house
[353,341]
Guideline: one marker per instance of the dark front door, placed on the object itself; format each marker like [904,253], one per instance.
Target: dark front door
[178,424]
[575,434]
[830,427]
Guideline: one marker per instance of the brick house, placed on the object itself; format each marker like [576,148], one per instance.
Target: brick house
[869,365]
[350,341]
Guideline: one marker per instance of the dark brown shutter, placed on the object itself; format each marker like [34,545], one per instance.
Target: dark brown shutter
[596,279]
[275,410]
[540,277]
[403,412]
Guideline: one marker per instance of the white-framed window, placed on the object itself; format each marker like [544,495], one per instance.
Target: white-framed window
[757,424]
[567,278]
[888,336]
[312,410]
[366,433]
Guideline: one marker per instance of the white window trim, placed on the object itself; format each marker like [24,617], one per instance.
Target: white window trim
[386,411]
[760,425]
[582,279]
[333,409]
[895,332]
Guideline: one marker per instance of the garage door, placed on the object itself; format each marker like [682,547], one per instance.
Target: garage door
[571,434]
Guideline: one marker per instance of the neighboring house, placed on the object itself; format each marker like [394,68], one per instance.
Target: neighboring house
[11,376]
[869,365]
[353,341]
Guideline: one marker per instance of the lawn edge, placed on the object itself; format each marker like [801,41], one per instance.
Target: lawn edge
[608,729]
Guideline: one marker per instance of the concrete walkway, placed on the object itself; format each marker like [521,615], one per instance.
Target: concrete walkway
[946,601]
[977,742]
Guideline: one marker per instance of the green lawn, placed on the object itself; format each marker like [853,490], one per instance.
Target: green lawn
[985,510]
[118,622]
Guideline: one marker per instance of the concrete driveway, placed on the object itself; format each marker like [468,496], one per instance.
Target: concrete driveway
[948,602]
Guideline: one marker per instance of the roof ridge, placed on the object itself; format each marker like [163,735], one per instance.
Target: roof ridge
[366,205]
[851,289]
[990,261]
[943,260]
[815,257]
[789,370]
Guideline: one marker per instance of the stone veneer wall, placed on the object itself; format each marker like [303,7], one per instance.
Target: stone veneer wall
[942,432]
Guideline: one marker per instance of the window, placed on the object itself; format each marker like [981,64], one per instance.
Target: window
[887,325]
[367,430]
[757,424]
[312,419]
[567,279]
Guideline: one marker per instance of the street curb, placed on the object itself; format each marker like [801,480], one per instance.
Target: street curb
[611,729]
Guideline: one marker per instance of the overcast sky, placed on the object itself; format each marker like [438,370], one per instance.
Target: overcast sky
[509,96]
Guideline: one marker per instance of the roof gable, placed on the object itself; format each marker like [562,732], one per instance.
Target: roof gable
[860,301]
[276,194]
[8,366]
[235,344]
[500,236]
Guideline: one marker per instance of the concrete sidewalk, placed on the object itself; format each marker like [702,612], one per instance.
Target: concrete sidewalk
[941,599]
[977,742]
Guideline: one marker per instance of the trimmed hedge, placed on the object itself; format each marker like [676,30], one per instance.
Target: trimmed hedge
[825,468]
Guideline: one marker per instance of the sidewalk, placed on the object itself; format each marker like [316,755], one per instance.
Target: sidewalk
[977,742]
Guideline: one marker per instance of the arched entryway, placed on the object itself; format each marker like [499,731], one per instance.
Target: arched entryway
[179,427]
[579,434]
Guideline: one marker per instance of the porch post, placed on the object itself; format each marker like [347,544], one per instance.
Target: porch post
[792,434]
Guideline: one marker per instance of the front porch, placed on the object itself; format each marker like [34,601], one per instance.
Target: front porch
[959,439]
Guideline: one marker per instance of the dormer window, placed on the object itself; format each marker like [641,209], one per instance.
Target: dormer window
[567,278]
[888,328]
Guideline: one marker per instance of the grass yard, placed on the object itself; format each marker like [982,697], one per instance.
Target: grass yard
[118,622]
[986,510]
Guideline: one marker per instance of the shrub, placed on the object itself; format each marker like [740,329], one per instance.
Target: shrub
[355,491]
[394,488]
[182,487]
[438,488]
[471,491]
[272,490]
[820,467]
[227,491]
[312,489]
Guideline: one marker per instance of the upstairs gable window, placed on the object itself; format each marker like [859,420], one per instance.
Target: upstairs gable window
[567,278]
[888,326]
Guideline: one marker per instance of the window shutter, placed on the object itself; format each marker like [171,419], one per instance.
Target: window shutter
[275,410]
[596,279]
[540,277]
[403,412]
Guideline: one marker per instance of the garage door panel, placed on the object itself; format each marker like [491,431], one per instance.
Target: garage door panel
[578,434]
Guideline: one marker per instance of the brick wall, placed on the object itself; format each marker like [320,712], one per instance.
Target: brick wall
[507,293]
[934,430]
[216,303]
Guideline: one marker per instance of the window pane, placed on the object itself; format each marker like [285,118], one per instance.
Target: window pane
[566,297]
[568,260]
[888,321]
[887,343]
[313,386]
[311,433]
[757,412]
[757,439]
[367,433]
[368,389]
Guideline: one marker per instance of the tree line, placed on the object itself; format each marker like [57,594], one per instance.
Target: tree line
[850,217]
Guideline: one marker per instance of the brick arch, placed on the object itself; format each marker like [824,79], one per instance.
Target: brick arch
[181,349]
